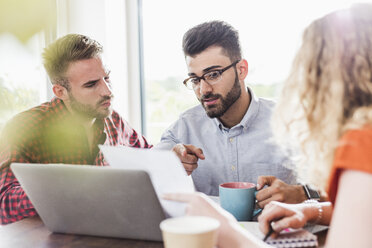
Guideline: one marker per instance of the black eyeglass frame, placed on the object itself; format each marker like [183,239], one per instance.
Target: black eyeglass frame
[202,76]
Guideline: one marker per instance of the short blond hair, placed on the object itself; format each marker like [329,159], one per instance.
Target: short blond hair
[328,91]
[61,53]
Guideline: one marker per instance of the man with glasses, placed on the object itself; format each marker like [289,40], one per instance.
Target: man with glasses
[228,137]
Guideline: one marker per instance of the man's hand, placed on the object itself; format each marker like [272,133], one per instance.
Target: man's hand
[278,190]
[189,156]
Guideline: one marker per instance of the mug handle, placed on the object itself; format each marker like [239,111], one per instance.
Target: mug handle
[256,211]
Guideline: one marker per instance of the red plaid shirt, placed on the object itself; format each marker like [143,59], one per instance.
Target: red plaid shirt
[49,134]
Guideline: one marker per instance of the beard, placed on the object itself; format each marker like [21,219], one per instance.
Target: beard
[89,110]
[218,110]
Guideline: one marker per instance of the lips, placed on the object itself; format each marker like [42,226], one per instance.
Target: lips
[106,104]
[210,101]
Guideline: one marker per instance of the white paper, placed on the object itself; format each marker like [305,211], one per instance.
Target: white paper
[165,169]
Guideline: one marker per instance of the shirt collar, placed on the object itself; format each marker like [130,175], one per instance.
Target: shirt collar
[249,116]
[59,107]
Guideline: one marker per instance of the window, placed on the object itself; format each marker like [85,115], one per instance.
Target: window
[270,34]
[23,81]
[113,24]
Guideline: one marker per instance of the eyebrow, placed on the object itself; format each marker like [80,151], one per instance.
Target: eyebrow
[90,82]
[96,80]
[206,69]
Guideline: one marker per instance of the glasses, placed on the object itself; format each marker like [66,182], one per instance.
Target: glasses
[211,77]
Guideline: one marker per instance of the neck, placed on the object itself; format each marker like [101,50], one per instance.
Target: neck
[236,112]
[86,122]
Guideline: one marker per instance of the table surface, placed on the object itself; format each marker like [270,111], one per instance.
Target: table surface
[31,232]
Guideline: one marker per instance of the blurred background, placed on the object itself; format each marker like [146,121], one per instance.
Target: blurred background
[142,42]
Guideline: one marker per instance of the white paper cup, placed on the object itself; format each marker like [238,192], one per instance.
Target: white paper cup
[190,232]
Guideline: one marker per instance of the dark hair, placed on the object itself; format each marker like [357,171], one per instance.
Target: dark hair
[214,33]
[67,49]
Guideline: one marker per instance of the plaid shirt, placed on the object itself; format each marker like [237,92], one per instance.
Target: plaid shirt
[49,134]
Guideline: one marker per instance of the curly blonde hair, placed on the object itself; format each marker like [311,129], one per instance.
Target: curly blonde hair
[328,91]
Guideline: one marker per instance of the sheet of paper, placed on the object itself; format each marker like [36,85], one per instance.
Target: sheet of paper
[252,227]
[165,169]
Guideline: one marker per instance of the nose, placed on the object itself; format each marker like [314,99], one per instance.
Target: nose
[205,88]
[105,88]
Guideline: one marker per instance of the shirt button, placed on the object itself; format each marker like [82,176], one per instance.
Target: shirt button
[231,140]
[233,168]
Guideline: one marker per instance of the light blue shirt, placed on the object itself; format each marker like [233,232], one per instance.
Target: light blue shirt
[241,153]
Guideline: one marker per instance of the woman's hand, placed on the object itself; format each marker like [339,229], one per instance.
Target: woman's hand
[282,215]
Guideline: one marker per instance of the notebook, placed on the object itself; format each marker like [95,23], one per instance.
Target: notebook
[288,238]
[293,238]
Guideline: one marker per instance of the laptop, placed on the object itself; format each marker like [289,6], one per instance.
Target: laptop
[93,200]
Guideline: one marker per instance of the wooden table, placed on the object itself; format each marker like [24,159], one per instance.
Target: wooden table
[31,232]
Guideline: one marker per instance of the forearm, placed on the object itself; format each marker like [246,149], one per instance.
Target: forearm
[15,205]
[167,141]
[233,235]
[327,213]
[318,213]
[138,141]
[165,145]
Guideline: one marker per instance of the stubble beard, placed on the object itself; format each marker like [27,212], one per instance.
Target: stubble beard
[216,111]
[89,111]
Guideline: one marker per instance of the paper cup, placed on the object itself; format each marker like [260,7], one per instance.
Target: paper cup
[190,232]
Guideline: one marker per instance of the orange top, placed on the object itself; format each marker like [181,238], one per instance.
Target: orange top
[353,153]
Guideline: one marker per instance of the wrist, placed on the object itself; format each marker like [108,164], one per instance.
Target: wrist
[302,193]
[313,211]
[310,192]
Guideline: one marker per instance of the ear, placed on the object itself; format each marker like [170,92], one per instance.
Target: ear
[60,91]
[242,69]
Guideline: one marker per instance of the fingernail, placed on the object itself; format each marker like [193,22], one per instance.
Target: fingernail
[275,226]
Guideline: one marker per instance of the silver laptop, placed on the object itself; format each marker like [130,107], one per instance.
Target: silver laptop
[92,200]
